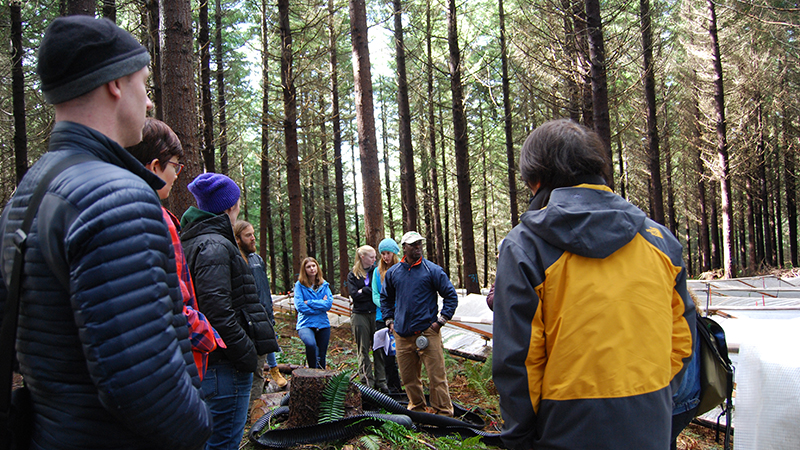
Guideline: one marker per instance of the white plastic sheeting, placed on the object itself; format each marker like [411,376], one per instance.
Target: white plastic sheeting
[768,386]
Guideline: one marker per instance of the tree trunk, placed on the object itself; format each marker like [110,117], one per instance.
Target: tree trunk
[704,243]
[752,263]
[355,194]
[790,179]
[653,151]
[761,150]
[203,43]
[306,395]
[18,92]
[290,135]
[438,236]
[597,52]
[81,7]
[462,154]
[715,250]
[672,219]
[408,182]
[110,10]
[722,142]
[367,143]
[179,107]
[570,53]
[446,230]
[154,47]
[386,168]
[288,280]
[223,121]
[344,264]
[326,202]
[267,227]
[507,124]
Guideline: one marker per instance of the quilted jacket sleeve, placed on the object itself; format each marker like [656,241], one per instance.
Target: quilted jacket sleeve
[118,255]
[212,284]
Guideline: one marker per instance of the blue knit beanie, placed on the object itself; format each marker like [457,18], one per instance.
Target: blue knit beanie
[389,245]
[214,192]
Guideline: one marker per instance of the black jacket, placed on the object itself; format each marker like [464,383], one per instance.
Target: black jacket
[362,302]
[226,290]
[108,361]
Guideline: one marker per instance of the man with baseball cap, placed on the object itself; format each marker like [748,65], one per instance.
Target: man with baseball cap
[101,340]
[410,307]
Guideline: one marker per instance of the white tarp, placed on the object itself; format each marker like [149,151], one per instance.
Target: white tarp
[768,386]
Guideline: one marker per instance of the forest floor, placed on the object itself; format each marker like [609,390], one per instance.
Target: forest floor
[470,382]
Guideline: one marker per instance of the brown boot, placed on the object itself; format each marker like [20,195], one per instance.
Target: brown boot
[276,375]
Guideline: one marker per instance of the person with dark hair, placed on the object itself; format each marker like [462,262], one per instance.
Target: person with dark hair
[102,343]
[246,240]
[410,307]
[160,152]
[591,307]
[313,299]
[227,295]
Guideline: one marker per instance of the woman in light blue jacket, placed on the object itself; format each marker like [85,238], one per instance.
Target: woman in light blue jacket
[313,299]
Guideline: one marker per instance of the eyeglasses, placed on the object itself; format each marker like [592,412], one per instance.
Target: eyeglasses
[178,167]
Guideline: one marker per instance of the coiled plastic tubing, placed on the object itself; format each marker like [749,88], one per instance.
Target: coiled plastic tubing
[353,426]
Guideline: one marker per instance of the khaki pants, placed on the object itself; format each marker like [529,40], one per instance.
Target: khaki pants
[409,362]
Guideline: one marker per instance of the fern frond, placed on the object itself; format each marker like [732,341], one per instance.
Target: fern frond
[332,406]
[370,442]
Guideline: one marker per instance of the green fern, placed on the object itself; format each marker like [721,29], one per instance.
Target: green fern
[370,442]
[332,406]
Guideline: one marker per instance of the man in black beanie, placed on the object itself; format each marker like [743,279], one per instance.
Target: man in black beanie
[101,340]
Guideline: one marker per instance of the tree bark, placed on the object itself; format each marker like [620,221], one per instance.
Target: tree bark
[326,194]
[179,105]
[653,151]
[761,150]
[722,142]
[789,180]
[462,154]
[18,92]
[507,124]
[110,10]
[386,168]
[344,264]
[221,101]
[81,7]
[297,226]
[597,52]
[365,120]
[306,395]
[203,42]
[704,243]
[752,263]
[267,227]
[446,231]
[408,182]
[154,47]
[438,256]
[571,53]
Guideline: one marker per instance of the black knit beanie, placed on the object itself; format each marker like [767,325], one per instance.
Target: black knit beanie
[81,53]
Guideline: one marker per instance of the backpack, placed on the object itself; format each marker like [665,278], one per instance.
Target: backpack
[716,373]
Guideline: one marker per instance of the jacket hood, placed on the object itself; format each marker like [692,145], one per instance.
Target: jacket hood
[586,220]
[196,222]
[65,135]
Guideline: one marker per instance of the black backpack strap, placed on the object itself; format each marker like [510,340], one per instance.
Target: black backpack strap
[8,331]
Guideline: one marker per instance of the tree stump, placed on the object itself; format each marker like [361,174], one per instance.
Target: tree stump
[306,395]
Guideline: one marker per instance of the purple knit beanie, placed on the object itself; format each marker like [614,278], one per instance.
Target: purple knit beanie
[214,192]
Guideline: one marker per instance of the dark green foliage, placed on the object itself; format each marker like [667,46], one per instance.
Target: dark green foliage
[332,407]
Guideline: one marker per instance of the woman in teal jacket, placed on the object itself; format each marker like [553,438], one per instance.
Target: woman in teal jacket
[313,299]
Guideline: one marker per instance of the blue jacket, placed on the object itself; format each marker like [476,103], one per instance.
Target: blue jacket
[312,305]
[108,361]
[410,296]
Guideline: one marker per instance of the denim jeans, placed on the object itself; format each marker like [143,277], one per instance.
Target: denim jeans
[227,392]
[316,341]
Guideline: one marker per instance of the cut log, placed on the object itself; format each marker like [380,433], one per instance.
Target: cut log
[306,395]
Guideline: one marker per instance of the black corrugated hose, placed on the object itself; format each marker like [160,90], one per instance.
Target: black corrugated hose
[353,426]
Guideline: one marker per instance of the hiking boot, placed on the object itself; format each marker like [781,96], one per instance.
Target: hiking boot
[276,375]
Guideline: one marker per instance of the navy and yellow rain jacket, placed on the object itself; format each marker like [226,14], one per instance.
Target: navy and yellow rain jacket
[593,325]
